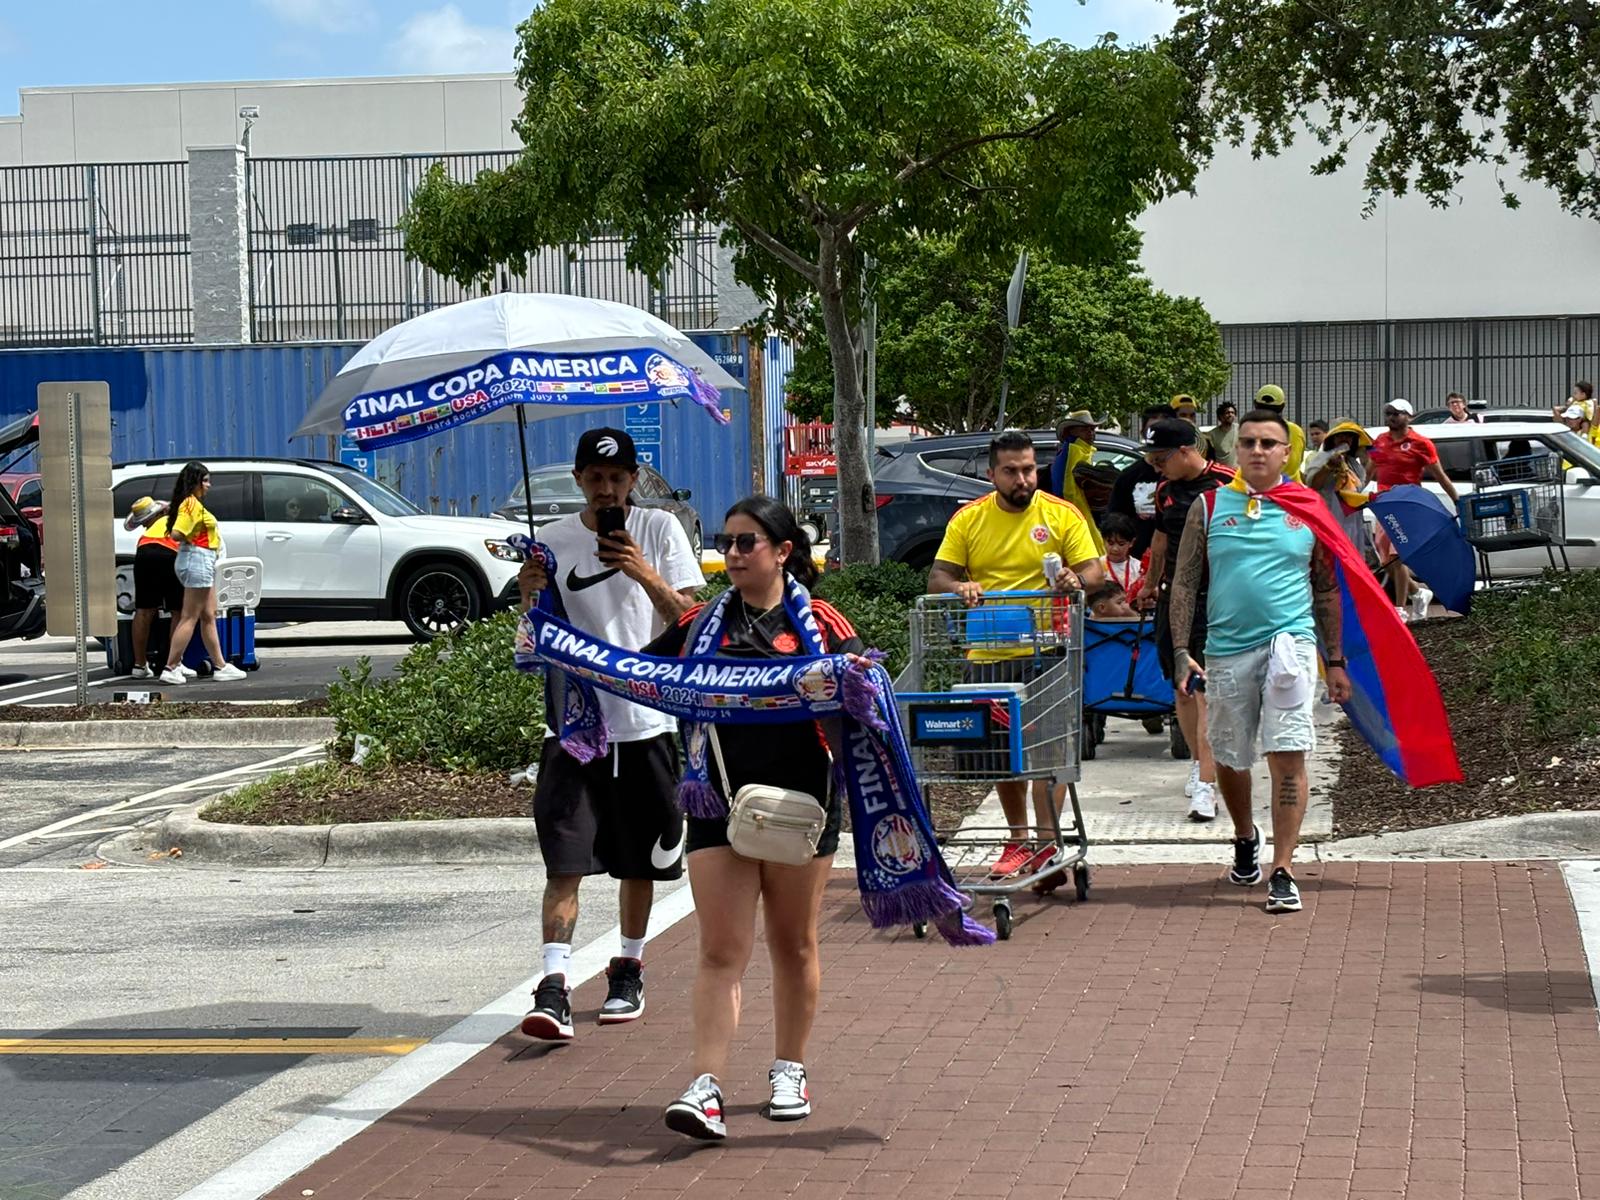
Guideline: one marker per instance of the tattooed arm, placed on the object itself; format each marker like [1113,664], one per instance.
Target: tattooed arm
[1184,594]
[1327,612]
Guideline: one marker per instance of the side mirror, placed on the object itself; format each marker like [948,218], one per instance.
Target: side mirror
[348,515]
[1584,480]
[33,513]
[682,494]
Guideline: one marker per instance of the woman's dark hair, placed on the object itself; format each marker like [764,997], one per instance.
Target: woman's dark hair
[1119,525]
[188,479]
[780,525]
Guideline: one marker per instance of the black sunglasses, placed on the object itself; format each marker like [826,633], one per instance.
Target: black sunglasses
[746,542]
[1250,443]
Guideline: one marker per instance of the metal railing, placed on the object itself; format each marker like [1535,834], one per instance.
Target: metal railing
[327,256]
[95,254]
[1351,369]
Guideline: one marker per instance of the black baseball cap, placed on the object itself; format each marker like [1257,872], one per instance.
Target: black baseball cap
[1170,434]
[607,448]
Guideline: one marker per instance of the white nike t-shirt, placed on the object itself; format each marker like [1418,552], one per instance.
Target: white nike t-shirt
[603,601]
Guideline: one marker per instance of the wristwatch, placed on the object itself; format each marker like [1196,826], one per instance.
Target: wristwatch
[1334,662]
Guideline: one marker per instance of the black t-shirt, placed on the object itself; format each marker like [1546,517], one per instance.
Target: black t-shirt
[1175,497]
[792,753]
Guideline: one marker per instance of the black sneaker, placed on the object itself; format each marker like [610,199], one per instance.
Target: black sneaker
[1246,869]
[625,996]
[698,1112]
[550,1018]
[1283,893]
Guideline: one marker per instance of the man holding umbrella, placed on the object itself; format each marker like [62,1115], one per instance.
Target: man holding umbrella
[623,573]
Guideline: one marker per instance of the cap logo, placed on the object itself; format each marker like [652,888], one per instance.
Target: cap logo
[606,446]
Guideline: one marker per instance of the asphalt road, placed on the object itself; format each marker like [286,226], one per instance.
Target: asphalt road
[297,662]
[146,959]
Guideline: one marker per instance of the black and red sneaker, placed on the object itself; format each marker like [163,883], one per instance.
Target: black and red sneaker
[550,1018]
[624,992]
[698,1112]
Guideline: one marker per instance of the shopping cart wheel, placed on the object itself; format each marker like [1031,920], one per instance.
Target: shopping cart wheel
[919,930]
[1080,880]
[1002,920]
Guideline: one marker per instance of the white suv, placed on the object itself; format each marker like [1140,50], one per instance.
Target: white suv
[336,545]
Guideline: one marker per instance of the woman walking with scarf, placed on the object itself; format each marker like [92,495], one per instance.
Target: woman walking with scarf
[764,547]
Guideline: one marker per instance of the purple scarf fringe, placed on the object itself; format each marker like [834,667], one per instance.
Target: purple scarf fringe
[699,798]
[931,901]
[860,697]
[586,745]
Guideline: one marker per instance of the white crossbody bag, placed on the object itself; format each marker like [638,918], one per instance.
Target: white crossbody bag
[773,824]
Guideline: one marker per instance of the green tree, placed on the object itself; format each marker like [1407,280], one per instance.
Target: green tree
[1099,337]
[816,132]
[1438,84]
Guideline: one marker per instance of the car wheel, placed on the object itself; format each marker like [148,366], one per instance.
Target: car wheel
[812,530]
[697,542]
[438,599]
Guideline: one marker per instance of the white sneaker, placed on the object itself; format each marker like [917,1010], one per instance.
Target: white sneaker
[226,673]
[1203,805]
[791,1098]
[1419,604]
[1404,613]
[188,672]
[1194,778]
[173,676]
[141,673]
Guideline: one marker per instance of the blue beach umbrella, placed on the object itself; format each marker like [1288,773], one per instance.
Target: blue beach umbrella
[1429,540]
[513,356]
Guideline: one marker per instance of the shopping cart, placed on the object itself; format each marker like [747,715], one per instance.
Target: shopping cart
[992,693]
[1516,504]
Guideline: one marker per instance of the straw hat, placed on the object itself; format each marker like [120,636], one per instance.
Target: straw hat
[145,510]
[1363,438]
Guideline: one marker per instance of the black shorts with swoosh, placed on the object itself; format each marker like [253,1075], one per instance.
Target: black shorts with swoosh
[617,815]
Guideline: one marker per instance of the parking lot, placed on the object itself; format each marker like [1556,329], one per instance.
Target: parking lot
[297,662]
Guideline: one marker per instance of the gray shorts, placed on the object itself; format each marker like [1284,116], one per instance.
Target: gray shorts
[1237,708]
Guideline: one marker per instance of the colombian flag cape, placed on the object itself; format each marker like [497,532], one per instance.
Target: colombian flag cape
[1395,704]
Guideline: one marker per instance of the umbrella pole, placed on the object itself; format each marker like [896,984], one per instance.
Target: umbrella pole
[527,482]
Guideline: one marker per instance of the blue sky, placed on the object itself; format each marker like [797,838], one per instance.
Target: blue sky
[43,43]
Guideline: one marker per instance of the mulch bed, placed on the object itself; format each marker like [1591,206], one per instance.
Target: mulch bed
[1510,767]
[344,793]
[158,712]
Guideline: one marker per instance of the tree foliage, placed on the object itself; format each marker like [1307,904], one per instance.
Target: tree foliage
[815,131]
[1100,337]
[1437,84]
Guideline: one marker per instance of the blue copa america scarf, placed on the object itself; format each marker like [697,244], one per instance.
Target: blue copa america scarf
[902,876]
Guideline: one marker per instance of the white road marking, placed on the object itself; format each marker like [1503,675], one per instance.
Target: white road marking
[72,833]
[293,1150]
[60,690]
[22,683]
[134,801]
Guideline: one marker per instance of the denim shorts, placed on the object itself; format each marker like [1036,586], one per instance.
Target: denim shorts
[196,566]
[1237,708]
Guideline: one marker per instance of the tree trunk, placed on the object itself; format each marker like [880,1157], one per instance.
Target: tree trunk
[858,514]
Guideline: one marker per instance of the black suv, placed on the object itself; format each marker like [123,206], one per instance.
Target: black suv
[920,483]
[21,565]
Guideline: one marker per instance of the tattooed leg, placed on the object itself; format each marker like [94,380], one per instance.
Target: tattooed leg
[1289,793]
[561,907]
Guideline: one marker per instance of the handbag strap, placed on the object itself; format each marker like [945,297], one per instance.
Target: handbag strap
[722,767]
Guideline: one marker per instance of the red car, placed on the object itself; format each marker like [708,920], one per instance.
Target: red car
[27,493]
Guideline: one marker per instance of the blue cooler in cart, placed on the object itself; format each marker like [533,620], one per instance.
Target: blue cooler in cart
[238,596]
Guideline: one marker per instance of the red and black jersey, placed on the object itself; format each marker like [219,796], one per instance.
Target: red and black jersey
[1174,497]
[746,634]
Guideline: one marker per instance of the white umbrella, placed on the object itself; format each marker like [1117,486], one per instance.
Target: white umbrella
[516,355]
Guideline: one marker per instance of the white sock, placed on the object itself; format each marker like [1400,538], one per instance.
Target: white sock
[633,948]
[779,1064]
[558,958]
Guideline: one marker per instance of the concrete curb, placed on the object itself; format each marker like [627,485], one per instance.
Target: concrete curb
[199,733]
[475,842]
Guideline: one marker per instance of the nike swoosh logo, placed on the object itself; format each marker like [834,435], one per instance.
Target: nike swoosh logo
[576,582]
[661,858]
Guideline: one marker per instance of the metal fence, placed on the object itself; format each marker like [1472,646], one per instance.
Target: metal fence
[327,257]
[1351,369]
[95,254]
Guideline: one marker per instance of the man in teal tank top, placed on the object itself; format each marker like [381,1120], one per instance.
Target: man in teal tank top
[1272,597]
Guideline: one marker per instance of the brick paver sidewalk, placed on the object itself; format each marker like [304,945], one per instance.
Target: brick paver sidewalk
[1426,1031]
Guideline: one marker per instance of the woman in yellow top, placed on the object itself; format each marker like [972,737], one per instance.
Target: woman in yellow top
[195,531]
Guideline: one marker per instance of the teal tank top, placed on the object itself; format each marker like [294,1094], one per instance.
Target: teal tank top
[1260,574]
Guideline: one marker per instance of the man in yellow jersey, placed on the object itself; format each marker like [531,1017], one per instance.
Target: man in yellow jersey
[1271,397]
[998,544]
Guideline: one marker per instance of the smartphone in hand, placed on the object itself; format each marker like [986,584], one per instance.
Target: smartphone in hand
[611,520]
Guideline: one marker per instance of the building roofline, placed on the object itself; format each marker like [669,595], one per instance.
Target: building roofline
[266,83]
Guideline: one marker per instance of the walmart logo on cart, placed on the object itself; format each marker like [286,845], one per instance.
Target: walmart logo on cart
[934,725]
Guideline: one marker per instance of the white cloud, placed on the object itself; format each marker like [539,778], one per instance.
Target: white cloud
[443,42]
[324,16]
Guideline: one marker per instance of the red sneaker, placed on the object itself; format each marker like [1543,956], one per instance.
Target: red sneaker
[1039,861]
[1015,856]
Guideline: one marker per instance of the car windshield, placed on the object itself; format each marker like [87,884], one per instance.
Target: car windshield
[548,485]
[1578,451]
[386,500]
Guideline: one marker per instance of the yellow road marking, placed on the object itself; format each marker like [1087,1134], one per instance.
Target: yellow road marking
[202,1045]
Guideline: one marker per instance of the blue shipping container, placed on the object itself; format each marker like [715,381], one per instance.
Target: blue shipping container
[173,402]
